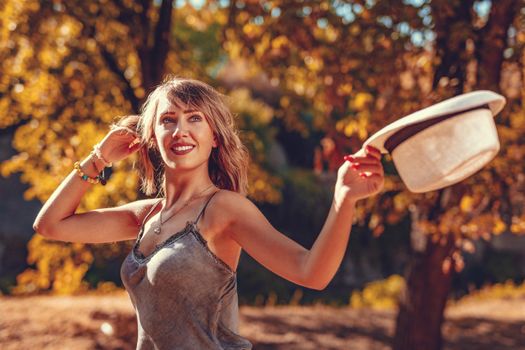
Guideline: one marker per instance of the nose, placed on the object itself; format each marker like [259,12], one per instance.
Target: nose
[180,129]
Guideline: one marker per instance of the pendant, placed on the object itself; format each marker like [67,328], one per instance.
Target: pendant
[157,230]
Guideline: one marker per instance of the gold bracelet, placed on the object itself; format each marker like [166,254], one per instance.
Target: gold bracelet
[92,180]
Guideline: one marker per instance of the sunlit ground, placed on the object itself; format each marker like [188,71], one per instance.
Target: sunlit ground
[107,322]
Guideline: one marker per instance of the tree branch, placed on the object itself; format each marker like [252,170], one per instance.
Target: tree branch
[451,20]
[113,66]
[90,31]
[492,42]
[161,44]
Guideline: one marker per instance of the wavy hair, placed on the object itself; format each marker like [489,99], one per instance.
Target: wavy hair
[228,162]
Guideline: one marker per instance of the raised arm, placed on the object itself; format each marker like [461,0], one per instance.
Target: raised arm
[316,267]
[57,218]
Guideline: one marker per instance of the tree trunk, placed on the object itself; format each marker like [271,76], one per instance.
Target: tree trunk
[430,270]
[492,42]
[453,28]
[153,57]
[418,324]
[428,280]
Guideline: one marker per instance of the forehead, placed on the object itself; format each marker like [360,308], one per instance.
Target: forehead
[176,106]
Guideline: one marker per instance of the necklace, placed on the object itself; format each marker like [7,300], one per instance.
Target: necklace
[158,229]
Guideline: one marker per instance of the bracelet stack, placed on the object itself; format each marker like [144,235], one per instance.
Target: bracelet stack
[100,178]
[92,180]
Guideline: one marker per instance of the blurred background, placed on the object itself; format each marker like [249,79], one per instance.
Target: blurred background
[309,81]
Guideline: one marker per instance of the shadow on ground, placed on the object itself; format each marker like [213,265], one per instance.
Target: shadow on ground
[108,322]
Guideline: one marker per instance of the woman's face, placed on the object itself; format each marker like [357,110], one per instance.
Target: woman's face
[183,136]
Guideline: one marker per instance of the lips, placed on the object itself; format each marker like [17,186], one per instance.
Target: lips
[181,149]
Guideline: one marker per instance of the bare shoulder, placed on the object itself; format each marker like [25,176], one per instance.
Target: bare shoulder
[231,200]
[229,205]
[230,197]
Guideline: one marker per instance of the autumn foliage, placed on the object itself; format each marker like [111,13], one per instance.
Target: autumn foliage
[338,69]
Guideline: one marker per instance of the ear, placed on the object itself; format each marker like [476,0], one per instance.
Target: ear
[215,143]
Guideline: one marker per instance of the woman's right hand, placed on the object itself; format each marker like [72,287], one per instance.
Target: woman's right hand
[119,143]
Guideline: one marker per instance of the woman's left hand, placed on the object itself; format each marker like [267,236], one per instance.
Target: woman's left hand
[360,176]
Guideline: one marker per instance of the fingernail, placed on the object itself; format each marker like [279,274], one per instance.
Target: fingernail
[351,158]
[355,165]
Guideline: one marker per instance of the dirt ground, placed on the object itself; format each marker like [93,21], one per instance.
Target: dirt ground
[108,322]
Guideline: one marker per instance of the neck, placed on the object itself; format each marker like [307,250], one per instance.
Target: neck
[182,186]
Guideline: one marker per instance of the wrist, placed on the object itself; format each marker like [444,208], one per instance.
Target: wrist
[96,152]
[91,165]
[343,200]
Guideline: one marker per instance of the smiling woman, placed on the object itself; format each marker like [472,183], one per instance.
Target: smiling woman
[183,112]
[181,273]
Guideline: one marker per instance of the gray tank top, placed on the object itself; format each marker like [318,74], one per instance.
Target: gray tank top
[184,296]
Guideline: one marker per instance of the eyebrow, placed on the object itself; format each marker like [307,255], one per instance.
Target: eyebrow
[184,112]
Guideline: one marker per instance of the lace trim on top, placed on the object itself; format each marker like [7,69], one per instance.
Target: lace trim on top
[190,227]
[159,246]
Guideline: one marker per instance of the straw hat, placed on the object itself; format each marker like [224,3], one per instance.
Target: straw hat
[445,143]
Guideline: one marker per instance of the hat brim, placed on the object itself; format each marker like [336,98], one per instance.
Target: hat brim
[452,106]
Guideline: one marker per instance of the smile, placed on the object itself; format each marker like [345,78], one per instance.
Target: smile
[180,150]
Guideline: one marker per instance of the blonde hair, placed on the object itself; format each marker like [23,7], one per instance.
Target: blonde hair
[228,163]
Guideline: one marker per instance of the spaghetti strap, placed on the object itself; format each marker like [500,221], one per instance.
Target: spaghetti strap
[149,212]
[204,208]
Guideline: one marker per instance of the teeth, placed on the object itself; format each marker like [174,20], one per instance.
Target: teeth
[182,148]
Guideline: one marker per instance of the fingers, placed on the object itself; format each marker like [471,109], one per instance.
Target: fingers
[134,147]
[134,142]
[374,152]
[123,129]
[362,160]
[372,168]
[366,161]
[368,155]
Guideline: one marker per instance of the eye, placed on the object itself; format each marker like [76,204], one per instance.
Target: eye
[165,119]
[195,117]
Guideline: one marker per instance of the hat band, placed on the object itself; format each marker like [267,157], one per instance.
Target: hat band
[397,138]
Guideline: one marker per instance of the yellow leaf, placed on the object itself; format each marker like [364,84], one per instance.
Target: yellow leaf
[499,227]
[466,204]
[361,101]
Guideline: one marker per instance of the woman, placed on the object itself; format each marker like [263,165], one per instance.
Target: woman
[180,274]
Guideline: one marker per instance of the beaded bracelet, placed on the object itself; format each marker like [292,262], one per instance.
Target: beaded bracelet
[92,180]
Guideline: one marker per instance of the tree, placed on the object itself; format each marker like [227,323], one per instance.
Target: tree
[363,64]
[69,69]
[63,79]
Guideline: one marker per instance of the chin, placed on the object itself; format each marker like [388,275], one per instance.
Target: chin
[184,165]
